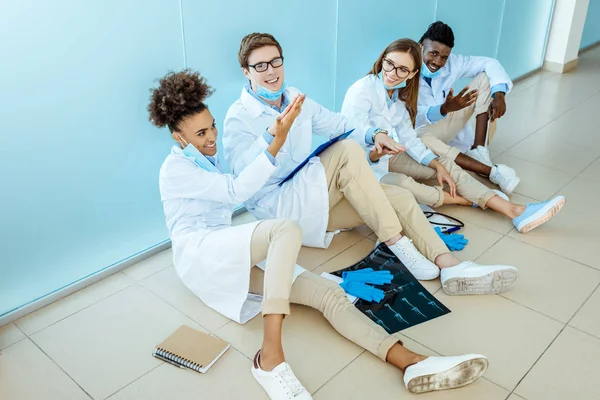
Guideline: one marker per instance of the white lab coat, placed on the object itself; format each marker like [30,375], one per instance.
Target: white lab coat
[458,67]
[211,257]
[365,106]
[304,198]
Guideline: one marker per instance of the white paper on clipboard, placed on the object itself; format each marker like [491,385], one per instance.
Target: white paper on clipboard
[436,219]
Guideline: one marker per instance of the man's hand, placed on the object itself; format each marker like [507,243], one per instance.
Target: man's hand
[498,106]
[454,103]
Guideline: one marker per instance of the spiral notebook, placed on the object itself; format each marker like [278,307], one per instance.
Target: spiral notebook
[191,349]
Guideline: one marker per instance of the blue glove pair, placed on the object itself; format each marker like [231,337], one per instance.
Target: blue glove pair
[355,283]
[363,291]
[454,241]
[368,275]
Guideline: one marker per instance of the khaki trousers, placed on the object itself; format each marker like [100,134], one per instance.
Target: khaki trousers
[329,298]
[466,186]
[448,128]
[356,198]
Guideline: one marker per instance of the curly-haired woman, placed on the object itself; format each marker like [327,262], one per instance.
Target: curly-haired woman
[215,260]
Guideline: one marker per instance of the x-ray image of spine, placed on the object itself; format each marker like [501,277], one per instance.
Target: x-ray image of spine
[430,302]
[415,309]
[377,320]
[390,261]
[399,289]
[396,315]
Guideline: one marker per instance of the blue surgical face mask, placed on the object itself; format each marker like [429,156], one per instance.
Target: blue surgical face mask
[199,158]
[426,72]
[269,94]
[398,86]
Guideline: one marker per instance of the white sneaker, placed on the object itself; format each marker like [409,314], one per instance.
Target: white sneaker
[470,278]
[414,261]
[480,154]
[505,177]
[281,383]
[442,373]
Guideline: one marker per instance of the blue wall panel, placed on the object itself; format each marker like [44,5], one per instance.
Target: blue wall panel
[78,159]
[591,30]
[523,35]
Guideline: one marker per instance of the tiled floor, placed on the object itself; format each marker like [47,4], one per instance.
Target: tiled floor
[542,338]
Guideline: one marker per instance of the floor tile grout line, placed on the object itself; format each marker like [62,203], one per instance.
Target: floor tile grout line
[339,372]
[146,277]
[554,340]
[181,311]
[577,176]
[554,119]
[556,254]
[584,332]
[60,367]
[81,309]
[135,380]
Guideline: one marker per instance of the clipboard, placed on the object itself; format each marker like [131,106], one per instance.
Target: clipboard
[315,153]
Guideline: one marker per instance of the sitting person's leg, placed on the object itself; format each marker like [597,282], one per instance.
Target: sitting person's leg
[390,211]
[501,175]
[477,193]
[277,241]
[329,298]
[432,196]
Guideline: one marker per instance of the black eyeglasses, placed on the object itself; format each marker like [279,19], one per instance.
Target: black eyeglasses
[389,66]
[263,66]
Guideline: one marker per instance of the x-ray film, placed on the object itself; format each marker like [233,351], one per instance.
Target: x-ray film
[407,303]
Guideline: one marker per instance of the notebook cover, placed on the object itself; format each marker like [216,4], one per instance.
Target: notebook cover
[193,345]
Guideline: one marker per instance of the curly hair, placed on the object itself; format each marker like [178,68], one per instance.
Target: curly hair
[439,32]
[178,96]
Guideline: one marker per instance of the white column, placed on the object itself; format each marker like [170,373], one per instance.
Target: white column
[566,29]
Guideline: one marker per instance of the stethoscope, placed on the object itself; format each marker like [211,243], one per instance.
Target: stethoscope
[452,227]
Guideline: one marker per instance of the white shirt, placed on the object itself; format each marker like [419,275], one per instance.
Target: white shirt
[304,198]
[366,107]
[457,67]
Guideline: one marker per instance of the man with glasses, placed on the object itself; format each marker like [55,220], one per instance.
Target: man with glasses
[445,115]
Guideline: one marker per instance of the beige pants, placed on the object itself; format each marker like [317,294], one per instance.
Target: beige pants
[329,298]
[356,198]
[447,128]
[277,241]
[466,186]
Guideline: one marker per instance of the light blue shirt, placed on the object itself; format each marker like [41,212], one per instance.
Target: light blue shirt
[434,114]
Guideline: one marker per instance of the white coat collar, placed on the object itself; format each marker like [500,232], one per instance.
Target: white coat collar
[255,108]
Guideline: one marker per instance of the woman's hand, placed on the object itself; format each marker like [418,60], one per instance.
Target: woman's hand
[282,124]
[385,145]
[443,176]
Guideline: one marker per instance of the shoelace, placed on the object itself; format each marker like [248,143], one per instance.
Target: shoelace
[292,382]
[411,252]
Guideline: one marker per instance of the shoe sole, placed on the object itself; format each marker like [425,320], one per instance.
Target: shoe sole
[495,282]
[547,215]
[461,375]
[509,190]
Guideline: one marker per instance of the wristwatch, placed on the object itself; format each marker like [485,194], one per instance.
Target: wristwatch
[378,131]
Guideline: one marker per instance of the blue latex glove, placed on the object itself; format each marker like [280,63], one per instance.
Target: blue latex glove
[368,275]
[363,291]
[453,241]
